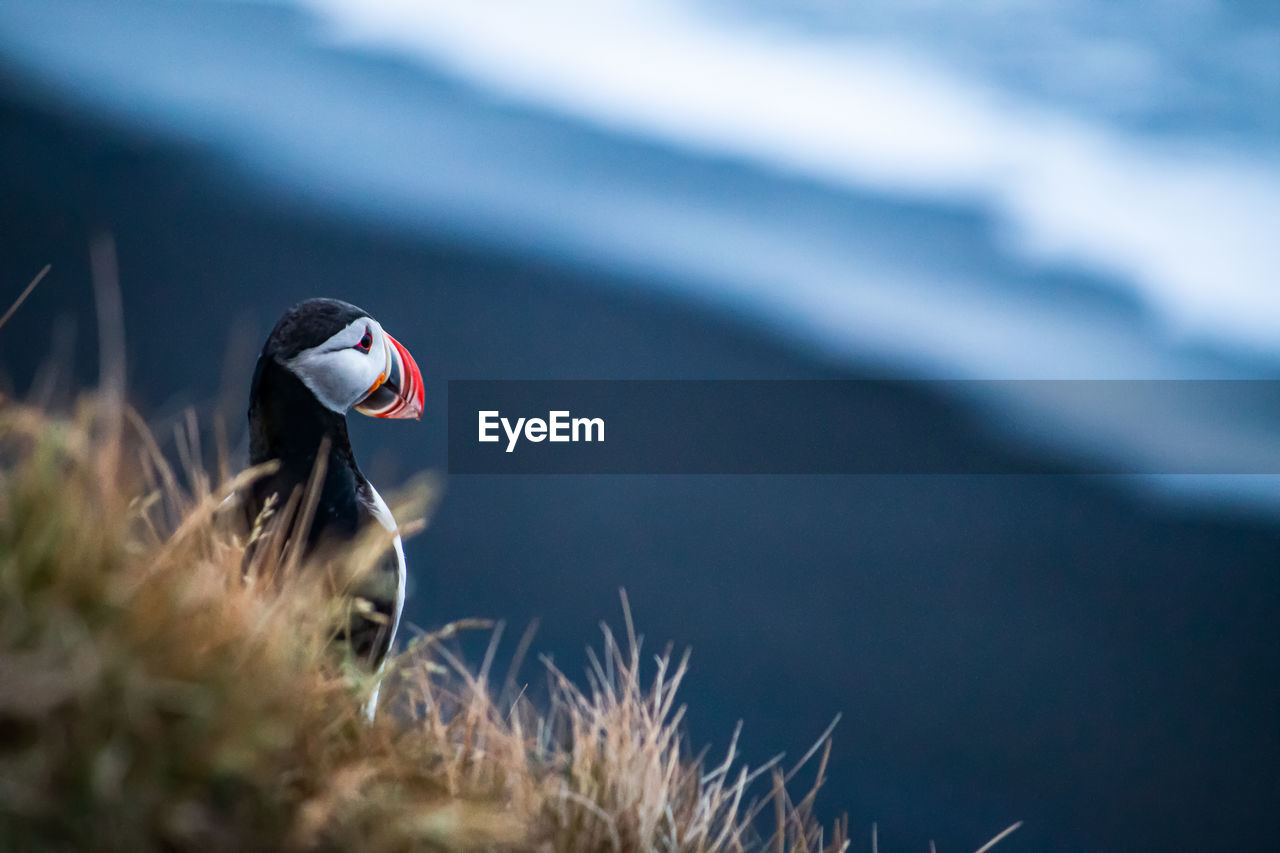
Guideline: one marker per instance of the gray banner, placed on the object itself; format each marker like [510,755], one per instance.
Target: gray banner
[865,427]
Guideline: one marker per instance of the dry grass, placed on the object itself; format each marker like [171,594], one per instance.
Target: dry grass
[152,699]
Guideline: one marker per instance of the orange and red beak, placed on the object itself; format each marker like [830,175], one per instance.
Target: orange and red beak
[398,393]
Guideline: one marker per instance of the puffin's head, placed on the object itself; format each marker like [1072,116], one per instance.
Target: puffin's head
[346,360]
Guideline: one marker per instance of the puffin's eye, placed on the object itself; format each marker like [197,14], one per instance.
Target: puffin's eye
[366,342]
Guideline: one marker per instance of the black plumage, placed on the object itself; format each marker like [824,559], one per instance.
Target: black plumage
[289,424]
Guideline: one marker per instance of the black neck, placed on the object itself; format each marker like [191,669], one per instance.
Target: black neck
[288,423]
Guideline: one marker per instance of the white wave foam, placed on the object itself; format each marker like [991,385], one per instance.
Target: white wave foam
[1193,229]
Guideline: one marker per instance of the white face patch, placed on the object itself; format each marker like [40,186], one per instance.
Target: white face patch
[338,371]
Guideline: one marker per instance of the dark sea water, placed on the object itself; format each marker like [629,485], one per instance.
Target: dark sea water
[1077,191]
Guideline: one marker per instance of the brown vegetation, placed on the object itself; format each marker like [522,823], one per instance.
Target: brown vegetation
[153,699]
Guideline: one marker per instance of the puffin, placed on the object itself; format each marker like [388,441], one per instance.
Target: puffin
[324,358]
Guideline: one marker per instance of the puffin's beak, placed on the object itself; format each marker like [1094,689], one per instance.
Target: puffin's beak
[398,393]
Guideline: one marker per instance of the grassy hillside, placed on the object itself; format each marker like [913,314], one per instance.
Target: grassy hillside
[152,698]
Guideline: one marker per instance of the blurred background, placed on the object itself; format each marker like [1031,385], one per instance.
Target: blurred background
[751,189]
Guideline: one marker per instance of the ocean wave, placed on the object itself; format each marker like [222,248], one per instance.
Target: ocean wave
[1185,224]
